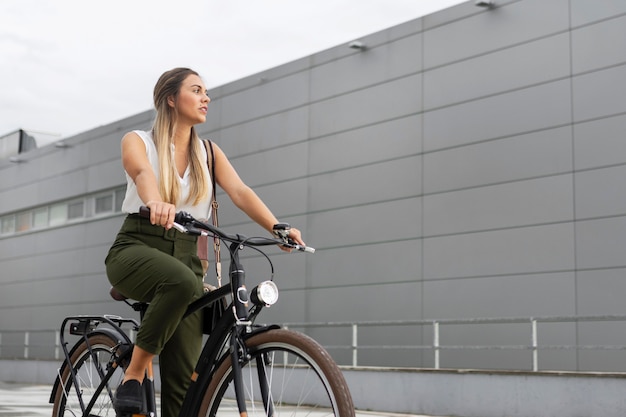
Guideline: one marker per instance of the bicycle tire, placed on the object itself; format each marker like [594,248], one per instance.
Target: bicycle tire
[66,402]
[303,378]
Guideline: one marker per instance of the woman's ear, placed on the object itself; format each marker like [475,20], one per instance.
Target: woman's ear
[171,101]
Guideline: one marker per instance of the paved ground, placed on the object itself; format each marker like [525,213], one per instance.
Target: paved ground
[24,400]
[32,401]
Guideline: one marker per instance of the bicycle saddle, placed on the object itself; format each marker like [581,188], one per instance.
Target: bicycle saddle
[116,295]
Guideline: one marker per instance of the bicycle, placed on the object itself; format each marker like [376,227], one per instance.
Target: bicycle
[248,368]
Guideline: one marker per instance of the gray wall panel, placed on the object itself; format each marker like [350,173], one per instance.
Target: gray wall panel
[83,262]
[601,291]
[291,307]
[522,203]
[600,93]
[288,268]
[108,174]
[16,198]
[72,184]
[600,142]
[595,46]
[363,303]
[51,266]
[284,199]
[507,69]
[379,142]
[460,11]
[265,99]
[518,296]
[273,74]
[382,102]
[43,293]
[502,27]
[509,251]
[366,224]
[105,148]
[60,163]
[585,12]
[542,107]
[541,153]
[372,183]
[361,265]
[601,243]
[598,192]
[373,66]
[272,165]
[269,132]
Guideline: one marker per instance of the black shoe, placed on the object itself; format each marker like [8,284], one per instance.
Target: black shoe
[128,398]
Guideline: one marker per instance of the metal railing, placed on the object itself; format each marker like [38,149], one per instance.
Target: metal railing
[436,347]
[19,344]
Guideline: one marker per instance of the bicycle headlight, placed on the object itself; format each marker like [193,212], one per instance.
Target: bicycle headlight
[266,293]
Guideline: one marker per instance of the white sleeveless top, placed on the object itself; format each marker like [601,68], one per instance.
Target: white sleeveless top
[132,202]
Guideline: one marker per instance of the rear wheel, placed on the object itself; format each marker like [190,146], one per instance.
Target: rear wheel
[90,370]
[301,376]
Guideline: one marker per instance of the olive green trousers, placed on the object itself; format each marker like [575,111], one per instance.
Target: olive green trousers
[148,263]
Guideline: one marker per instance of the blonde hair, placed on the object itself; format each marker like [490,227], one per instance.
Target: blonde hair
[168,86]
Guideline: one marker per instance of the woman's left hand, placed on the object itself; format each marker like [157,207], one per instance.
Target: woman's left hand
[296,236]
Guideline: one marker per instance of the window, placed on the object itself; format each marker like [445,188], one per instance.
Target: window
[104,204]
[24,221]
[76,210]
[58,214]
[8,224]
[40,218]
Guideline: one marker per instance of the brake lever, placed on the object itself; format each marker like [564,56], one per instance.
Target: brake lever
[281,230]
[192,230]
[180,228]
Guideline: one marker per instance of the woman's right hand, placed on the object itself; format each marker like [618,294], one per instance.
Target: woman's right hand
[162,213]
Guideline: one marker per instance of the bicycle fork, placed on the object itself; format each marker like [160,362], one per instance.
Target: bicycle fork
[235,357]
[239,355]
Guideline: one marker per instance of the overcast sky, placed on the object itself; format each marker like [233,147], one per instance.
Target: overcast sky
[68,66]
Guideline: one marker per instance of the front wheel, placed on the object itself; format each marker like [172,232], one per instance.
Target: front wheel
[301,376]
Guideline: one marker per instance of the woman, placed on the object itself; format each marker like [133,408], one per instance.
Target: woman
[166,170]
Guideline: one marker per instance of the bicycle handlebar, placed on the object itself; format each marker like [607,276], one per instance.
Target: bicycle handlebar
[186,223]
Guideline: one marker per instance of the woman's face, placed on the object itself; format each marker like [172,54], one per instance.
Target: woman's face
[192,102]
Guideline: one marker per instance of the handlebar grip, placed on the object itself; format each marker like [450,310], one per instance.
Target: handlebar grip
[306,249]
[144,212]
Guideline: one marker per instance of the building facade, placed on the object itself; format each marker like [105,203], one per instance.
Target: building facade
[469,163]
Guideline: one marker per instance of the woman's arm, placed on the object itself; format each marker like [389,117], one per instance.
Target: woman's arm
[244,197]
[138,167]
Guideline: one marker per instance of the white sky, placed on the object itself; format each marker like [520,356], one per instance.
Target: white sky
[68,66]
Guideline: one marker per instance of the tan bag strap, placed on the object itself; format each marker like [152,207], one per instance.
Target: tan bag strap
[214,206]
